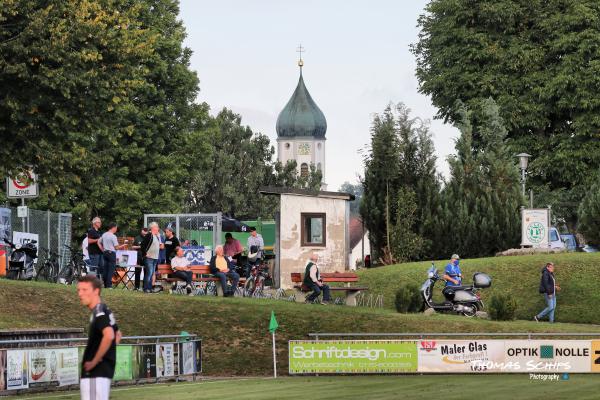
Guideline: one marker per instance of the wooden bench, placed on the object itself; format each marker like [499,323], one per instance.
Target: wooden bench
[332,277]
[200,273]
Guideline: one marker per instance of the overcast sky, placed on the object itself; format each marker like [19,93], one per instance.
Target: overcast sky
[357,60]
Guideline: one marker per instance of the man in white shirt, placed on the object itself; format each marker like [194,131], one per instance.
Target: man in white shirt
[181,270]
[84,249]
[256,246]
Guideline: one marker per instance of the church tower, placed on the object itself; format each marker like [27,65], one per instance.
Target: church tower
[301,128]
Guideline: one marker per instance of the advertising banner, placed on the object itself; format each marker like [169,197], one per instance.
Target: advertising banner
[187,358]
[53,367]
[147,361]
[24,237]
[17,371]
[352,356]
[165,361]
[460,355]
[2,370]
[197,255]
[127,258]
[68,366]
[535,227]
[595,356]
[42,367]
[547,356]
[124,363]
[5,226]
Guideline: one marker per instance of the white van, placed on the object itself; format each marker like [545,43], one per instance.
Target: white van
[555,239]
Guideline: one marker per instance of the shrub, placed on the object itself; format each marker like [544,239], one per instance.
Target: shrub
[408,299]
[502,307]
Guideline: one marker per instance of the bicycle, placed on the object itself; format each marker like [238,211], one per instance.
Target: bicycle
[256,281]
[75,268]
[48,269]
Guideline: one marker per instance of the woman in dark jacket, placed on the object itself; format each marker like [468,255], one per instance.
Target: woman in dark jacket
[222,268]
[548,288]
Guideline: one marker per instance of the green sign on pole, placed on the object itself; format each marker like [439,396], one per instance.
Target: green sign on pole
[352,357]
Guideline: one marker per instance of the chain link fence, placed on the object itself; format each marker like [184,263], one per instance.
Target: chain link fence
[53,230]
[200,229]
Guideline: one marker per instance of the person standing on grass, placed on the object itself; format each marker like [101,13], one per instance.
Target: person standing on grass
[151,246]
[312,280]
[137,246]
[110,244]
[548,288]
[99,357]
[94,247]
[256,246]
[171,243]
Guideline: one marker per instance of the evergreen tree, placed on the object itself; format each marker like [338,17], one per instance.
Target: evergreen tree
[357,191]
[401,157]
[589,215]
[539,60]
[406,244]
[381,174]
[479,214]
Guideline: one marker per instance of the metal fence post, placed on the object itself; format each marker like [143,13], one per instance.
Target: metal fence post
[48,216]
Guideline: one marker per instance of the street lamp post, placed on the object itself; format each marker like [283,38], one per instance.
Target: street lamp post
[523,163]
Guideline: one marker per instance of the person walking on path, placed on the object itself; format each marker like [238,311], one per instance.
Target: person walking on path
[100,354]
[548,288]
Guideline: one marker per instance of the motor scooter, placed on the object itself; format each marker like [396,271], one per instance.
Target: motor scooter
[21,264]
[458,299]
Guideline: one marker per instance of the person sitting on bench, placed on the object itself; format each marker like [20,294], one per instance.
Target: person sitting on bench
[312,281]
[222,268]
[181,270]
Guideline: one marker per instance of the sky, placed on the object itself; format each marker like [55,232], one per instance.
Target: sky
[356,61]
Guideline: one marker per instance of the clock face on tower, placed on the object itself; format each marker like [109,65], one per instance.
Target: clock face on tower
[304,149]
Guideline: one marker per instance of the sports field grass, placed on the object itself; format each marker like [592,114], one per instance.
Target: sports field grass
[519,276]
[489,387]
[236,341]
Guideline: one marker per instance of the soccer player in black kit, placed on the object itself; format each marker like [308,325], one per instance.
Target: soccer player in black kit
[100,353]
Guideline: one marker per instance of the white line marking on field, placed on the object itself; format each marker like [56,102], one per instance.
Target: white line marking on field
[147,385]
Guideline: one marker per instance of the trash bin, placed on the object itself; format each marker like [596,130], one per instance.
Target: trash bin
[2,261]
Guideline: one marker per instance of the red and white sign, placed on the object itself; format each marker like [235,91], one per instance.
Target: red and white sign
[23,185]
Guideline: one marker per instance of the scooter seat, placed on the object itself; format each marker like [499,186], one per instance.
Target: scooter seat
[456,288]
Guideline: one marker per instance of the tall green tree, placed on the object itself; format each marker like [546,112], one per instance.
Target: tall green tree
[401,156]
[479,213]
[540,61]
[381,174]
[357,190]
[589,212]
[102,95]
[406,244]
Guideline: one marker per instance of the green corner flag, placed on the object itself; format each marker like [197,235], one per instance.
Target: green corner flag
[273,325]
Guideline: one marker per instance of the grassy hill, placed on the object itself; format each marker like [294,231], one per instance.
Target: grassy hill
[577,273]
[234,330]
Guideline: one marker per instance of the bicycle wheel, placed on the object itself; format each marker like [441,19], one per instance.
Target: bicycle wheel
[249,286]
[41,272]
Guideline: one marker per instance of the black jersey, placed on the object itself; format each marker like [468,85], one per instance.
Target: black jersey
[101,318]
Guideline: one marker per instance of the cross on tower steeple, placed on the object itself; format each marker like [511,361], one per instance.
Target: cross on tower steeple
[300,50]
